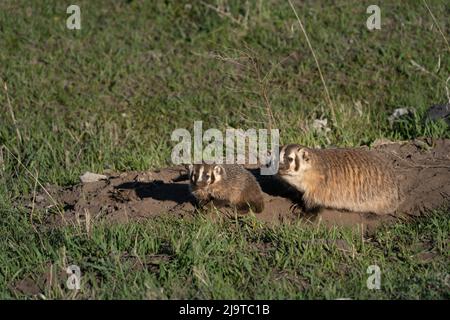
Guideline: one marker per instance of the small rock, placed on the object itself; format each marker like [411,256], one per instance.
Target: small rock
[400,112]
[142,178]
[426,257]
[381,141]
[321,125]
[92,177]
[439,111]
[423,145]
[39,198]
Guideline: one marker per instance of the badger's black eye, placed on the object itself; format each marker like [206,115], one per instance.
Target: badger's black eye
[290,159]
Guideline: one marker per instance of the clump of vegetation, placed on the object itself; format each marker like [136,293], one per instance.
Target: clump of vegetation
[109,95]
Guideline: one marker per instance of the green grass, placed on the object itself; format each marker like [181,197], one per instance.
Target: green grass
[109,96]
[169,258]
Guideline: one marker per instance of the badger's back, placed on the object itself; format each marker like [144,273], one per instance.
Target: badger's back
[352,179]
[239,187]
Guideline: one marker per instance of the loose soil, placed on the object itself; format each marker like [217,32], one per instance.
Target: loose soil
[423,167]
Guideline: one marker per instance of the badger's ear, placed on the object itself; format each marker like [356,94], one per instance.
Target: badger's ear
[218,170]
[267,161]
[271,157]
[304,155]
[281,153]
[189,166]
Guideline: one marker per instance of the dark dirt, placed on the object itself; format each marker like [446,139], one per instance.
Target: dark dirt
[423,167]
[439,111]
[36,283]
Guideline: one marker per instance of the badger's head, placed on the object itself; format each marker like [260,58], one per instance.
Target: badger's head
[294,161]
[204,175]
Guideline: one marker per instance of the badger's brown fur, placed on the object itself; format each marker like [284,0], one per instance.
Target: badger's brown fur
[351,179]
[229,183]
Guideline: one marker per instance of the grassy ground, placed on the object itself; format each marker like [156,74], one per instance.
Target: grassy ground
[109,95]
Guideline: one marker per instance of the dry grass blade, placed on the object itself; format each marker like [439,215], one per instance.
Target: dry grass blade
[447,90]
[437,24]
[2,161]
[11,112]
[227,14]
[55,203]
[330,102]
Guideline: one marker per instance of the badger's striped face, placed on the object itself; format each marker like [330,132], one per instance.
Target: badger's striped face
[203,175]
[294,159]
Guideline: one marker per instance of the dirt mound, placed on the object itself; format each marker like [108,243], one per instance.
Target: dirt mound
[423,167]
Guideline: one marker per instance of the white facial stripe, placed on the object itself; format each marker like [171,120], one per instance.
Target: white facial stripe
[282,155]
[217,173]
[291,164]
[295,161]
[200,174]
